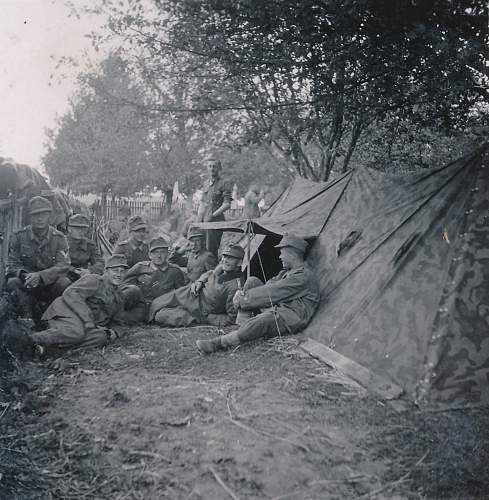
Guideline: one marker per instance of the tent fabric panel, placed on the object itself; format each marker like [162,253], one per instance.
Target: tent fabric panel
[459,359]
[364,313]
[303,212]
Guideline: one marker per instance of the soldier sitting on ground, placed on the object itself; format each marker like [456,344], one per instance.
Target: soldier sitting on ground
[135,248]
[84,254]
[151,279]
[207,301]
[86,313]
[284,305]
[37,262]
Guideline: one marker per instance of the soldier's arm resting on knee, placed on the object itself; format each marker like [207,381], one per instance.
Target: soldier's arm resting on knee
[274,292]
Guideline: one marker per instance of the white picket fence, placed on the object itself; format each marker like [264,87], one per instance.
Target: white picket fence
[149,210]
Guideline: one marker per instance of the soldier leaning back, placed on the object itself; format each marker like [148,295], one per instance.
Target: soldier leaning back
[38,261]
[284,305]
[207,301]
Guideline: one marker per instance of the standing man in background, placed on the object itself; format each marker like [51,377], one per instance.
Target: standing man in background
[216,199]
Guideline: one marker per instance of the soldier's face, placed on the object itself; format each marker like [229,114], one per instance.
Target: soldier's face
[213,169]
[159,256]
[40,220]
[289,257]
[197,244]
[230,263]
[76,232]
[139,235]
[115,275]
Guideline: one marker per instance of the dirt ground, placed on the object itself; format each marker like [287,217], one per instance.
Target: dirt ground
[151,418]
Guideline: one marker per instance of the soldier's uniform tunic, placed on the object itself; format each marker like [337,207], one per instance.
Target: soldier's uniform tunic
[48,256]
[142,284]
[213,306]
[214,194]
[134,253]
[91,299]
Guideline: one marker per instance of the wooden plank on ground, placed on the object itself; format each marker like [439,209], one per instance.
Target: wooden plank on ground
[376,384]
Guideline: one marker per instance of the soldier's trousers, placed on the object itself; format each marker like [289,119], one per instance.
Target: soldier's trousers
[213,240]
[68,331]
[36,299]
[265,325]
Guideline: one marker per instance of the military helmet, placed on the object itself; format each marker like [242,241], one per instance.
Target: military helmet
[38,204]
[233,250]
[158,242]
[116,260]
[289,240]
[195,232]
[78,220]
[136,222]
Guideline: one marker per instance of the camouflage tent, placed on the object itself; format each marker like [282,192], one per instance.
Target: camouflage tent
[403,263]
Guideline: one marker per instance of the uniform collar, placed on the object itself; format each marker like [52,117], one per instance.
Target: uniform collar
[34,237]
[83,243]
[134,245]
[155,268]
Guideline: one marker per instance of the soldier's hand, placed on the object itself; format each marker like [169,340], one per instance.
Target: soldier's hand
[82,271]
[237,297]
[196,287]
[32,280]
[111,334]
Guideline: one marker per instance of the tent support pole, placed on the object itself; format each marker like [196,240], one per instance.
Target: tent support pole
[248,251]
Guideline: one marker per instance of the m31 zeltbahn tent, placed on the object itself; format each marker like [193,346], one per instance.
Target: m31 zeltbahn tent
[403,263]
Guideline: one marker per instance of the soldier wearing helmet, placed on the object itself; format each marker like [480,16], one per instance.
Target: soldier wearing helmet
[135,248]
[284,305]
[38,261]
[84,254]
[149,279]
[86,314]
[207,301]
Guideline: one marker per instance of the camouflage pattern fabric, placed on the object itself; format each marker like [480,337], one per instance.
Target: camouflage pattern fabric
[403,265]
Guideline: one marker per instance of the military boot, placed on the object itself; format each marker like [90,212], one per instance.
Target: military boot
[209,346]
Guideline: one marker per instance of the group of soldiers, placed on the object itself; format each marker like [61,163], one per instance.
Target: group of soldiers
[77,299]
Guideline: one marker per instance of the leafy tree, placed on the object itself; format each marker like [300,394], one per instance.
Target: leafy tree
[311,80]
[102,143]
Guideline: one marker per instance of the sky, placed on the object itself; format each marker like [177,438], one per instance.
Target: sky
[34,34]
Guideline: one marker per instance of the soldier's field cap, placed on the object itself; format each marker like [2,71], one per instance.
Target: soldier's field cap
[158,242]
[235,251]
[288,240]
[78,220]
[116,260]
[38,204]
[195,232]
[136,222]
